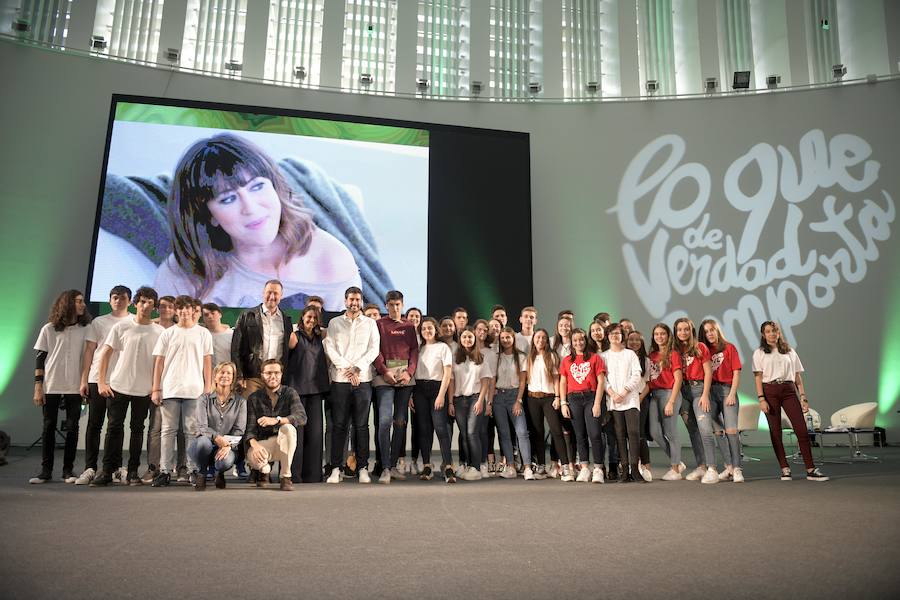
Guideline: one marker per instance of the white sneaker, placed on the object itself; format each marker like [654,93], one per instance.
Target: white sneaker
[397,473]
[385,476]
[364,476]
[738,475]
[540,472]
[402,466]
[672,475]
[471,474]
[726,475]
[120,476]
[712,476]
[460,470]
[682,467]
[335,476]
[646,473]
[509,472]
[414,467]
[565,474]
[554,471]
[697,474]
[86,477]
[528,474]
[597,476]
[584,474]
[38,480]
[484,471]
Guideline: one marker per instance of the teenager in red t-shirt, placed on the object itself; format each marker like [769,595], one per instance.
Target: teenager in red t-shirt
[665,397]
[696,406]
[726,377]
[581,384]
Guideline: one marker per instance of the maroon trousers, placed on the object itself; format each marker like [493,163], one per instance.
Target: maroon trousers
[784,395]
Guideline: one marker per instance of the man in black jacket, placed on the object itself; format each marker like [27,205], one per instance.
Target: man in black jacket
[275,420]
[261,333]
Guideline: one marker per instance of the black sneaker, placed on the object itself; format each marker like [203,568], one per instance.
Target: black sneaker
[785,474]
[426,473]
[449,476]
[102,479]
[42,477]
[220,481]
[612,473]
[816,475]
[161,480]
[199,482]
[133,478]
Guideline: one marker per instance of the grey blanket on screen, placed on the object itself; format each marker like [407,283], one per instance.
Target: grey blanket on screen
[134,208]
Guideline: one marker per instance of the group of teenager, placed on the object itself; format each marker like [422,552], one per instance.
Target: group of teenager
[291,403]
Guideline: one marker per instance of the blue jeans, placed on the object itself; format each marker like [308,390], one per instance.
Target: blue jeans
[727,417]
[691,392]
[470,426]
[392,406]
[203,452]
[665,429]
[504,401]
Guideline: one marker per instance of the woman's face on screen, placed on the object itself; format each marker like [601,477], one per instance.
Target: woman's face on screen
[250,214]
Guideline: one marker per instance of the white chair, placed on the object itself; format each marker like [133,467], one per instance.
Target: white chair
[748,420]
[853,420]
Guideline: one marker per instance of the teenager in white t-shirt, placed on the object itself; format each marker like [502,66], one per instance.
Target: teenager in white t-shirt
[623,388]
[635,343]
[130,345]
[165,308]
[488,345]
[181,372]
[543,403]
[528,321]
[508,404]
[57,378]
[779,385]
[119,299]
[433,373]
[221,332]
[469,389]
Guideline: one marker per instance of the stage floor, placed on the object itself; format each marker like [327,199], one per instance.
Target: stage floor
[488,539]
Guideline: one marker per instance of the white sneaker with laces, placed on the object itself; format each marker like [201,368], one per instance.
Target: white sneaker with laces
[397,473]
[385,476]
[86,477]
[528,475]
[726,475]
[554,471]
[414,468]
[335,476]
[697,474]
[540,472]
[70,479]
[37,480]
[364,476]
[711,476]
[120,476]
[646,473]
[682,467]
[460,470]
[672,475]
[471,474]
[484,471]
[509,472]
[738,475]
[566,474]
[584,475]
[402,466]
[597,475]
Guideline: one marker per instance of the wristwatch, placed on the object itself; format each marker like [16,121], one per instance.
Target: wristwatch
[277,421]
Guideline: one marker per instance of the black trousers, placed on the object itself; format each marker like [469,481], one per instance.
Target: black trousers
[306,466]
[116,409]
[96,416]
[538,410]
[628,435]
[71,403]
[350,404]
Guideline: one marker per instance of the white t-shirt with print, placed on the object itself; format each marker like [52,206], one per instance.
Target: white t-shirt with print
[97,332]
[432,360]
[183,350]
[133,344]
[62,367]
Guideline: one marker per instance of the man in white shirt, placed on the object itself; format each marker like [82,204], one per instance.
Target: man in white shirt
[182,371]
[352,344]
[528,320]
[119,298]
[261,333]
[221,333]
[131,341]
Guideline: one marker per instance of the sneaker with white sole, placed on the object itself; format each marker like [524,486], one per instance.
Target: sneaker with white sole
[414,468]
[597,475]
[484,471]
[816,475]
[385,476]
[738,475]
[565,474]
[528,475]
[540,472]
[786,474]
[335,476]
[584,475]
[726,475]
[460,470]
[69,477]
[86,477]
[427,473]
[471,474]
[364,476]
[672,475]
[697,474]
[120,476]
[397,473]
[508,472]
[553,473]
[645,472]
[42,478]
[682,468]
[711,476]
[402,466]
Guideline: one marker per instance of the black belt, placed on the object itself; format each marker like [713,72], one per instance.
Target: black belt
[778,381]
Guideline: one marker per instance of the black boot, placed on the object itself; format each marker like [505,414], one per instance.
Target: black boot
[613,474]
[623,473]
